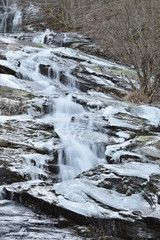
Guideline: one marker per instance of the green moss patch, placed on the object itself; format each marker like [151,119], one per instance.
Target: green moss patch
[124,73]
[145,138]
[97,69]
[12,93]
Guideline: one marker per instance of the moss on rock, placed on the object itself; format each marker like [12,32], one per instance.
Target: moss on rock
[13,93]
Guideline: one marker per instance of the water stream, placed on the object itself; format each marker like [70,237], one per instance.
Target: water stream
[77,153]
[76,156]
[4,16]
[10,17]
[42,70]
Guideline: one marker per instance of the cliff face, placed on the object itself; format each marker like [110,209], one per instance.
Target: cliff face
[23,15]
[35,16]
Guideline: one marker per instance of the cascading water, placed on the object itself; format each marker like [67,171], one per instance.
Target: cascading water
[17,21]
[10,17]
[75,157]
[4,16]
[77,153]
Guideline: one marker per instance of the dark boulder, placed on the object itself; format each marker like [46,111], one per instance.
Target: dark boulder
[46,70]
[7,70]
[7,176]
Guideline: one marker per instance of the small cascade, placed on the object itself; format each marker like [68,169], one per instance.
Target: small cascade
[76,156]
[10,17]
[17,21]
[41,37]
[4,16]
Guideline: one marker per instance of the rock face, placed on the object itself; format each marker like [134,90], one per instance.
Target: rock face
[71,146]
[18,222]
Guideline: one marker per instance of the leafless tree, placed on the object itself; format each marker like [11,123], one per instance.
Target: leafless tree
[128,30]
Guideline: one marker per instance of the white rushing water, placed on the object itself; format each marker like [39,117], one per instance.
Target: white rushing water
[4,16]
[10,17]
[75,156]
[77,153]
[17,21]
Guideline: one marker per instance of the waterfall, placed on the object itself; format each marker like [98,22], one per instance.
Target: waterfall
[76,152]
[76,156]
[10,17]
[17,21]
[3,16]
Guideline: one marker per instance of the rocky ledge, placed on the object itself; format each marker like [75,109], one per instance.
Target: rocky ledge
[116,198]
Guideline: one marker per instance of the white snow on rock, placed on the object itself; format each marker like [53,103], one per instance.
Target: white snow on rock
[6,64]
[143,170]
[149,113]
[85,198]
[152,114]
[11,81]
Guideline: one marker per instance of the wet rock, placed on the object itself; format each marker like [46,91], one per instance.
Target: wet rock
[63,222]
[65,39]
[154,186]
[112,90]
[76,58]
[10,107]
[38,107]
[8,177]
[63,78]
[7,70]
[81,82]
[47,71]
[15,94]
[94,71]
[18,222]
[53,168]
[95,78]
[85,232]
[2,57]
[148,145]
[90,48]
[127,226]
[29,159]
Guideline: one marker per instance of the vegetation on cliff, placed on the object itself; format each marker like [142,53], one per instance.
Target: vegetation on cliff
[128,31]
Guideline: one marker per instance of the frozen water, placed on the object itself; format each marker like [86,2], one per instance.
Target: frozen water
[18,222]
[82,196]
